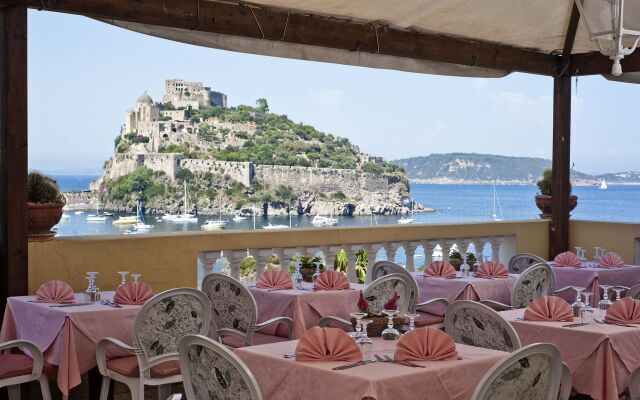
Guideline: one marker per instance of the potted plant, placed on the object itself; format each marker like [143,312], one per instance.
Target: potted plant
[544,198]
[379,322]
[44,205]
[455,259]
[307,266]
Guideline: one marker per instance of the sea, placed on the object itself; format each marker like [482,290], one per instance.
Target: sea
[452,203]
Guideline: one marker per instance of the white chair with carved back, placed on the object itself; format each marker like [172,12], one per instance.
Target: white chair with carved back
[235,314]
[521,261]
[634,292]
[157,330]
[474,324]
[16,369]
[532,372]
[536,281]
[211,371]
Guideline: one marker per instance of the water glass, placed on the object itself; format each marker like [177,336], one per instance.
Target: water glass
[390,333]
[618,290]
[586,315]
[123,278]
[364,338]
[358,316]
[317,273]
[605,303]
[92,293]
[297,277]
[577,305]
[412,320]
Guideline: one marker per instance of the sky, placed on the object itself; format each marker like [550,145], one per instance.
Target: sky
[84,75]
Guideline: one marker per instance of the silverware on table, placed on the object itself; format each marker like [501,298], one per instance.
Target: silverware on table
[110,303]
[615,323]
[71,305]
[576,325]
[353,365]
[289,355]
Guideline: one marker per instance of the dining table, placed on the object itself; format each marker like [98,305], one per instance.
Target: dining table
[600,356]
[470,287]
[67,334]
[591,277]
[281,377]
[304,306]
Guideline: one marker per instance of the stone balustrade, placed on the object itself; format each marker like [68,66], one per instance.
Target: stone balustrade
[413,254]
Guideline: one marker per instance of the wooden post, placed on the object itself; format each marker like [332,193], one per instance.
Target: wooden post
[559,234]
[13,153]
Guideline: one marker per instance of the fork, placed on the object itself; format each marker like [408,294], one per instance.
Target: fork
[405,363]
[614,323]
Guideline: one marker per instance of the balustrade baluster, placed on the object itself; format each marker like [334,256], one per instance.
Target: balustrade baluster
[410,252]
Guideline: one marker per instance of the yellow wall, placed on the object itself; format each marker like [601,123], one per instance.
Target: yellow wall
[169,260]
[618,237]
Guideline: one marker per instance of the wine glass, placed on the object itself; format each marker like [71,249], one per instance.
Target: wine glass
[618,290]
[297,277]
[464,268]
[412,319]
[92,293]
[586,313]
[358,316]
[317,273]
[577,305]
[605,303]
[123,277]
[136,277]
[390,333]
[364,339]
[596,257]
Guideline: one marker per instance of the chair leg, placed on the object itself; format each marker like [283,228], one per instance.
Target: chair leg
[137,390]
[14,392]
[164,391]
[104,390]
[44,387]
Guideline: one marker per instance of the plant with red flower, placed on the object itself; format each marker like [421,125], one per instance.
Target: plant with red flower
[363,304]
[392,304]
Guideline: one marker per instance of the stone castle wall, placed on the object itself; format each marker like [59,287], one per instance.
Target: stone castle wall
[242,172]
[122,164]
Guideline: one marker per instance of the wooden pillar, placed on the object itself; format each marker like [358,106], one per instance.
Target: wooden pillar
[559,227]
[13,153]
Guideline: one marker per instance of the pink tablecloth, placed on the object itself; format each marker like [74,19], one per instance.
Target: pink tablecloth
[592,278]
[469,288]
[305,307]
[67,336]
[285,378]
[601,357]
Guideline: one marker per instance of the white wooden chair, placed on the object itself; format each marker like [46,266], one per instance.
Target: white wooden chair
[521,261]
[533,372]
[474,324]
[536,281]
[235,313]
[211,371]
[16,369]
[383,268]
[157,330]
[634,292]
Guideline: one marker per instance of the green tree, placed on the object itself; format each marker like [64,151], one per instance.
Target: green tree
[262,105]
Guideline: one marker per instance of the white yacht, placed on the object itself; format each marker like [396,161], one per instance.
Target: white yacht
[96,218]
[140,226]
[185,216]
[603,185]
[321,220]
[239,218]
[277,226]
[126,220]
[214,224]
[407,220]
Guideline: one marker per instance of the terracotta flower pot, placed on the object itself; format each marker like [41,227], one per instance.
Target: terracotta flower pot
[544,203]
[42,217]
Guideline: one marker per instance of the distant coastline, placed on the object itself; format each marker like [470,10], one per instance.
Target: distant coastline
[466,182]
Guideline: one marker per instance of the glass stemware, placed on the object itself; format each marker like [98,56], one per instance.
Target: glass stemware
[364,338]
[578,251]
[412,320]
[390,333]
[123,277]
[577,305]
[92,293]
[464,268]
[297,277]
[136,277]
[317,273]
[605,303]
[618,290]
[358,316]
[597,255]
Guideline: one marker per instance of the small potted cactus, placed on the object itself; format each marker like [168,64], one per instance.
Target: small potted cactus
[44,205]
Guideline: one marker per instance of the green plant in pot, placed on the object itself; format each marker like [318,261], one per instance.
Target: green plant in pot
[544,199]
[308,266]
[44,205]
[455,259]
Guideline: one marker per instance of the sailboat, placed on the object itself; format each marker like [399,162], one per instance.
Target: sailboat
[496,200]
[321,220]
[185,216]
[603,185]
[213,224]
[404,220]
[140,226]
[279,226]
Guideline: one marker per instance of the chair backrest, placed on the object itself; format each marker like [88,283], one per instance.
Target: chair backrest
[234,310]
[533,372]
[522,261]
[536,281]
[383,268]
[381,290]
[211,371]
[475,324]
[165,319]
[634,292]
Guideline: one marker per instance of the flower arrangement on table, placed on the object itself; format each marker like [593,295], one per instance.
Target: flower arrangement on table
[379,321]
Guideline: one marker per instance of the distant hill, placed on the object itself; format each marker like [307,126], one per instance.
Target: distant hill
[471,168]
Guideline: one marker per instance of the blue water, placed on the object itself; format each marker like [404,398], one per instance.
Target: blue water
[453,203]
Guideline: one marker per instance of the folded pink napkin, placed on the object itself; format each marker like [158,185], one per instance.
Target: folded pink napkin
[566,259]
[331,280]
[492,269]
[425,344]
[440,268]
[133,293]
[548,308]
[327,344]
[55,292]
[611,260]
[274,279]
[626,311]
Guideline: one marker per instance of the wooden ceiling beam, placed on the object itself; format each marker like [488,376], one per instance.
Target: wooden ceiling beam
[569,39]
[269,23]
[596,63]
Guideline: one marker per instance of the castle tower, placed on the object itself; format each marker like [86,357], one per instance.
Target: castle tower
[138,119]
